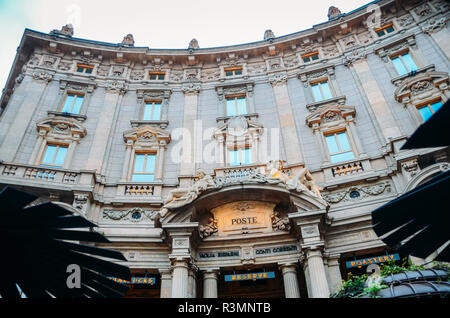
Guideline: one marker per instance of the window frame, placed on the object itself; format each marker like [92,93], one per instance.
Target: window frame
[383,28]
[153,102]
[241,151]
[233,70]
[309,55]
[235,97]
[58,146]
[77,94]
[349,141]
[318,82]
[153,173]
[157,73]
[428,105]
[399,55]
[84,67]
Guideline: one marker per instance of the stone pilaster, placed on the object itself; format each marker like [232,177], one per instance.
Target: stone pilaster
[166,283]
[290,280]
[289,135]
[210,278]
[334,274]
[192,282]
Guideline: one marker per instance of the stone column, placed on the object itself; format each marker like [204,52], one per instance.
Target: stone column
[160,165]
[291,289]
[128,160]
[166,283]
[192,282]
[180,278]
[334,274]
[210,278]
[319,284]
[191,92]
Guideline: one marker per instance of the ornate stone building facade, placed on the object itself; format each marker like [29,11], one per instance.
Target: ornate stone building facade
[258,158]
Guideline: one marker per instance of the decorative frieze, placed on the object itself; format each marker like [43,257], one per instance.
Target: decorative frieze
[43,75]
[358,193]
[133,215]
[434,24]
[278,79]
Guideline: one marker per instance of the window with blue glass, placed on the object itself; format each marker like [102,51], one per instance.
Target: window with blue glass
[157,76]
[240,157]
[427,110]
[314,56]
[339,147]
[152,110]
[54,156]
[404,64]
[144,167]
[388,28]
[236,106]
[84,68]
[233,71]
[72,103]
[321,90]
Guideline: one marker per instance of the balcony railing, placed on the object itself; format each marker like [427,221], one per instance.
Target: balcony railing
[347,169]
[36,173]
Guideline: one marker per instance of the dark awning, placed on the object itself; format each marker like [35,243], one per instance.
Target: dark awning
[420,211]
[36,254]
[435,132]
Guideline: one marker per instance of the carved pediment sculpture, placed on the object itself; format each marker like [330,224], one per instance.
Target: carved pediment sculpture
[329,113]
[421,83]
[128,40]
[182,196]
[279,222]
[66,30]
[208,229]
[61,127]
[147,136]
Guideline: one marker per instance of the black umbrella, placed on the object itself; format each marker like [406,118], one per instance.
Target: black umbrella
[418,220]
[38,260]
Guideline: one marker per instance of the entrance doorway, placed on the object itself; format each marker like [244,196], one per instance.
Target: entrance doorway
[243,285]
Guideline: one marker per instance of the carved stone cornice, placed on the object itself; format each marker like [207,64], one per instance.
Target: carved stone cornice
[61,127]
[330,113]
[245,88]
[315,73]
[147,136]
[162,94]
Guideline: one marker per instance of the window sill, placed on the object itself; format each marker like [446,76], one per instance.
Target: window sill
[399,79]
[154,123]
[340,100]
[69,115]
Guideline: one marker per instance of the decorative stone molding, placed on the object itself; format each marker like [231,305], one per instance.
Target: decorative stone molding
[353,56]
[133,215]
[128,40]
[208,229]
[43,75]
[278,79]
[61,128]
[405,21]
[81,201]
[193,44]
[147,136]
[411,167]
[413,87]
[434,24]
[340,100]
[358,193]
[280,223]
[192,88]
[317,73]
[236,89]
[152,94]
[115,86]
[395,47]
[66,30]
[268,35]
[330,113]
[333,13]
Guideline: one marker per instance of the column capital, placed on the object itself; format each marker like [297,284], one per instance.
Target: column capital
[165,272]
[278,79]
[288,267]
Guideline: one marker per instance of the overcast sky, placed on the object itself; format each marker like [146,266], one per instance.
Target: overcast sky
[161,23]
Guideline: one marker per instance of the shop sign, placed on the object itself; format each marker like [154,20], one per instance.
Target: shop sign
[249,276]
[372,260]
[135,280]
[276,250]
[218,254]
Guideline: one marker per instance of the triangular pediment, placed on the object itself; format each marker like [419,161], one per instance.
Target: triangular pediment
[330,113]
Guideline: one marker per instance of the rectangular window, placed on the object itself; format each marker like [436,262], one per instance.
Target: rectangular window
[427,110]
[72,103]
[54,156]
[233,71]
[240,157]
[84,68]
[388,28]
[152,111]
[321,91]
[310,57]
[157,76]
[144,167]
[236,106]
[339,147]
[404,64]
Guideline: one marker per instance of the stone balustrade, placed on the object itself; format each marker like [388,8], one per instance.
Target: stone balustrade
[347,169]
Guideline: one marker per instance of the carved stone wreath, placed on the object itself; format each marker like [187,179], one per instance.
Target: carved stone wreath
[363,192]
[133,215]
